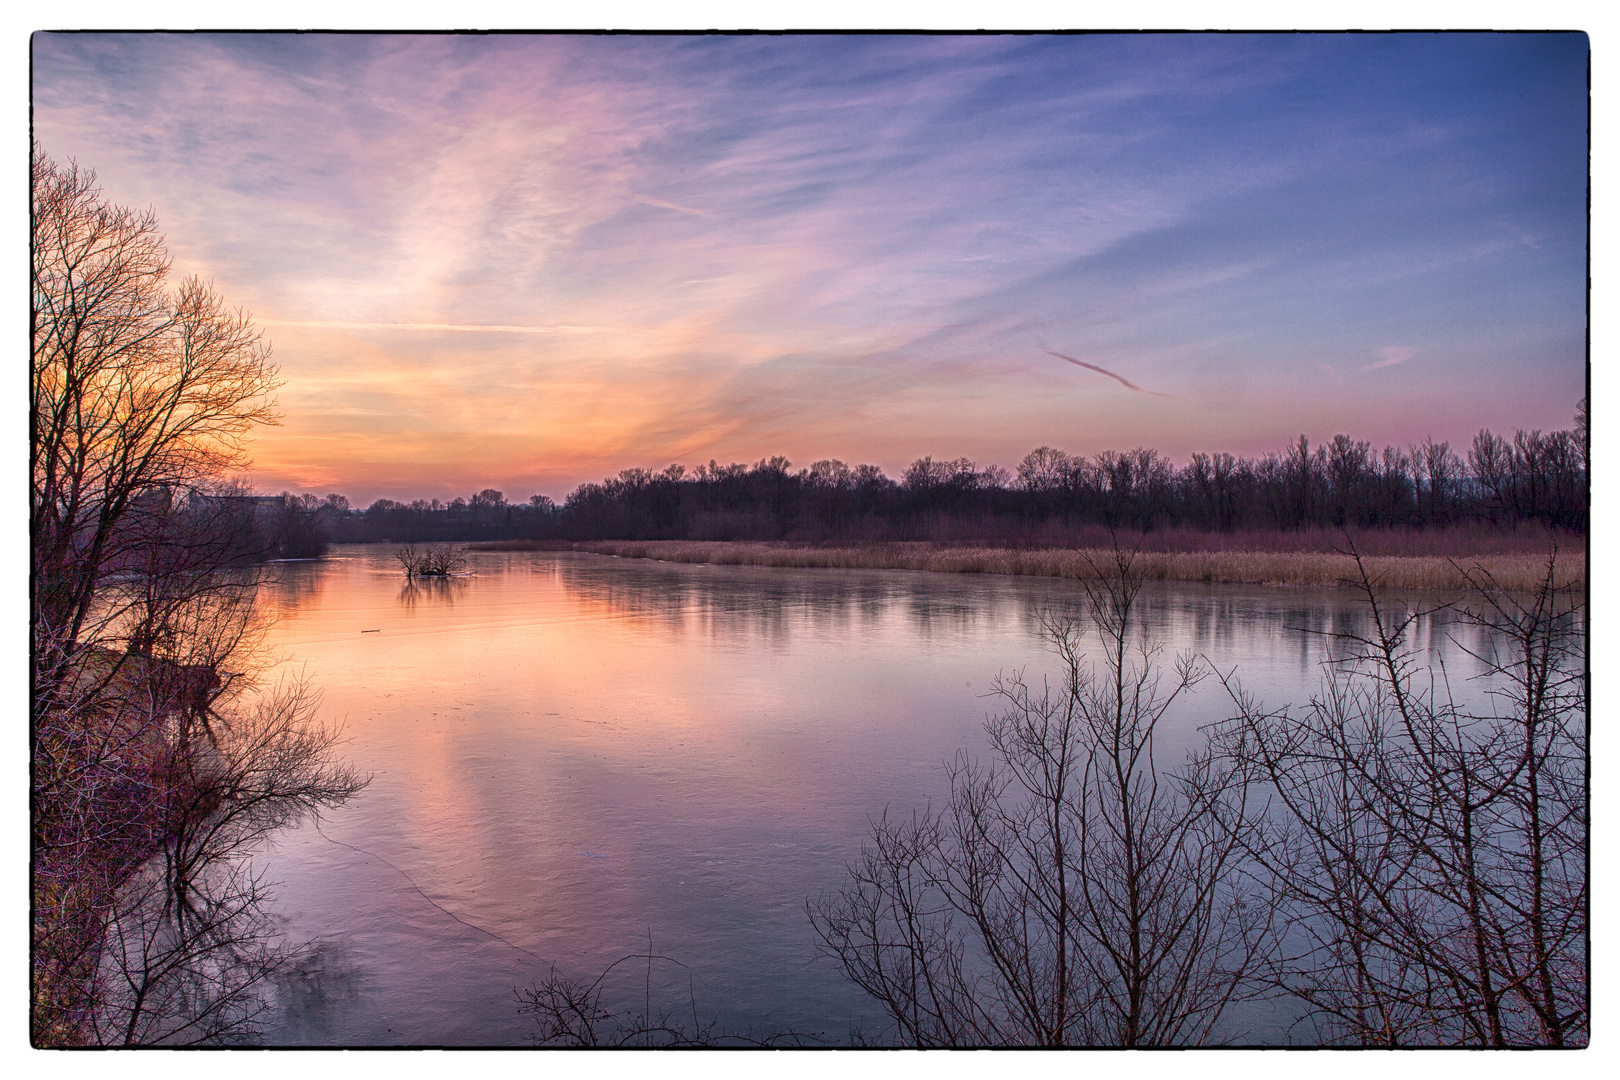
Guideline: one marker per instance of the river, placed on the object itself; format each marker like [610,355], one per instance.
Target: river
[574,756]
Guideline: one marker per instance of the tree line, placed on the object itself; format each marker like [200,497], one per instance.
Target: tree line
[1533,477]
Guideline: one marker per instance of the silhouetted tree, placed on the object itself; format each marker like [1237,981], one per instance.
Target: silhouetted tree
[1432,860]
[142,607]
[1072,893]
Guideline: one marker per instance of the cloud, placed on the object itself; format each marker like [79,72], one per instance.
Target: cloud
[650,201]
[1529,240]
[1392,355]
[450,237]
[442,327]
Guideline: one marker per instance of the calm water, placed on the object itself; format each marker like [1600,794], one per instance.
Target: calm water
[574,754]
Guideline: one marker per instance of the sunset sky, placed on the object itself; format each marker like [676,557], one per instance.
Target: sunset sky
[527,262]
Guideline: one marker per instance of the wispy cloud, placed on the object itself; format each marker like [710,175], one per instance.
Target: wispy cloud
[650,201]
[443,327]
[1390,355]
[1527,239]
[854,242]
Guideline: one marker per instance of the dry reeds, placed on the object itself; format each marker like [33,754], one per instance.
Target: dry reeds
[1289,568]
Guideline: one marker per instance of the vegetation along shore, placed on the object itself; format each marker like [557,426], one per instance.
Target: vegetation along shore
[1512,570]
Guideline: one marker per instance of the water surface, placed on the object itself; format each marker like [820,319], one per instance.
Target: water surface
[574,755]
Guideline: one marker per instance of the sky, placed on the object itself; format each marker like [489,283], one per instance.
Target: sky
[526,262]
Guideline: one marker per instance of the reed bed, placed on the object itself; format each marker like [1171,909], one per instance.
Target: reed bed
[1302,569]
[1460,541]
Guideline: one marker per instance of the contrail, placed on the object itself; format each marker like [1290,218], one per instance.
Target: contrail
[1122,380]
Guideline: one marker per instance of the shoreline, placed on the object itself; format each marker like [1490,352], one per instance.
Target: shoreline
[1298,569]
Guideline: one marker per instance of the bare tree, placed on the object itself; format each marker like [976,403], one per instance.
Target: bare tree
[1213,482]
[1490,460]
[296,528]
[1071,893]
[432,560]
[1441,469]
[1348,462]
[139,395]
[1043,469]
[1432,860]
[145,762]
[188,945]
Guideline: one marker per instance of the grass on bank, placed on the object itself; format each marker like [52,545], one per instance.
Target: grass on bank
[1431,570]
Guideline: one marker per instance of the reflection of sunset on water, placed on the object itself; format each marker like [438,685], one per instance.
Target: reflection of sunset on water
[572,750]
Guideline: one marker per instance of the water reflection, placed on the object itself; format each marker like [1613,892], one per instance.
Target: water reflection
[572,750]
[730,603]
[735,604]
[316,993]
[429,590]
[292,585]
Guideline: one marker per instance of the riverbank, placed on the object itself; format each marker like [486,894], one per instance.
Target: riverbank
[1512,570]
